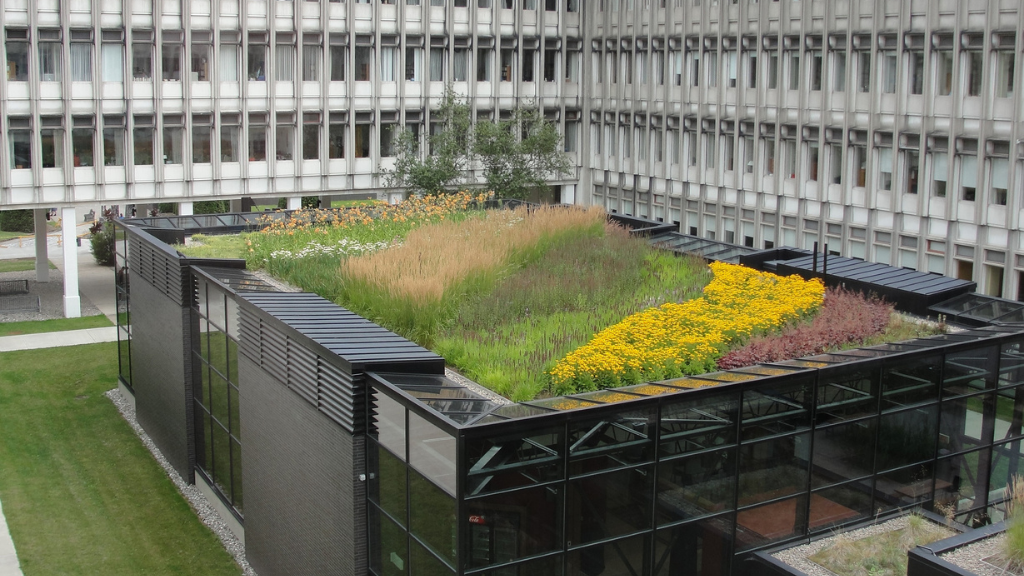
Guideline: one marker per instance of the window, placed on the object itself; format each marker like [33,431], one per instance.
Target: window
[364,62]
[975,69]
[835,162]
[864,71]
[82,142]
[81,61]
[51,142]
[336,136]
[773,69]
[17,48]
[257,138]
[944,72]
[256,61]
[885,168]
[609,140]
[658,66]
[311,136]
[170,60]
[437,64]
[228,61]
[817,63]
[625,142]
[793,60]
[388,63]
[311,62]
[142,141]
[888,70]
[612,64]
[507,57]
[483,65]
[913,159]
[838,71]
[49,61]
[641,142]
[694,67]
[202,133]
[916,59]
[691,147]
[285,138]
[769,156]
[142,60]
[113,141]
[284,62]
[860,163]
[711,65]
[1005,63]
[658,144]
[641,66]
[729,154]
[362,133]
[1000,168]
[20,138]
[337,54]
[172,132]
[968,177]
[674,145]
[940,173]
[751,69]
[388,131]
[230,138]
[813,157]
[550,65]
[710,151]
[201,61]
[677,67]
[789,149]
[112,62]
[529,61]
[595,138]
[460,64]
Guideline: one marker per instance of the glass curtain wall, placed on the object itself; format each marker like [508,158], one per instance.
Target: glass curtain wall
[123,290]
[687,483]
[218,442]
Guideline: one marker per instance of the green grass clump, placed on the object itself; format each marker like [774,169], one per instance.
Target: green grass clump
[74,473]
[221,246]
[55,325]
[508,337]
[883,554]
[20,264]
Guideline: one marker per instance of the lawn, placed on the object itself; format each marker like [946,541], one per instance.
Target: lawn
[55,325]
[80,492]
[20,264]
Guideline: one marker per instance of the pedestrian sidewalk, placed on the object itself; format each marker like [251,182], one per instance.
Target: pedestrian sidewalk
[58,339]
[8,557]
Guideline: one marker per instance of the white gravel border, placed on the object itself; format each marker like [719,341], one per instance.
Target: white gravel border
[195,498]
[972,557]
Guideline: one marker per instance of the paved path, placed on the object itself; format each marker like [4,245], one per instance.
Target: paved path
[58,339]
[8,558]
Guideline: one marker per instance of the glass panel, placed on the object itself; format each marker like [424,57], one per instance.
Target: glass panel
[548,566]
[505,462]
[387,482]
[432,516]
[389,544]
[699,424]
[204,440]
[513,525]
[961,423]
[219,399]
[1008,414]
[968,371]
[904,487]
[771,523]
[1007,462]
[433,452]
[221,460]
[958,478]
[236,476]
[906,437]
[616,440]
[124,355]
[773,468]
[702,547]
[387,423]
[843,452]
[619,558]
[847,394]
[235,420]
[425,563]
[1011,364]
[776,408]
[696,486]
[232,360]
[608,505]
[840,505]
[910,382]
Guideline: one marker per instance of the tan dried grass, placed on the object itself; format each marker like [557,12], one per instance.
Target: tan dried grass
[436,258]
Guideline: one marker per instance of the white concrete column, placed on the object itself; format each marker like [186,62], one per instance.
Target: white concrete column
[184,209]
[72,300]
[295,202]
[235,205]
[42,264]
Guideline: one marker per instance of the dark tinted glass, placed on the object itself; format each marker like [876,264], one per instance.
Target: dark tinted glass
[771,523]
[505,462]
[425,563]
[844,452]
[608,505]
[773,468]
[519,524]
[969,371]
[695,425]
[703,547]
[387,422]
[696,485]
[432,516]
[611,442]
[906,437]
[618,558]
[1007,462]
[387,485]
[961,423]
[548,566]
[840,504]
[910,382]
[847,394]
[776,408]
[957,478]
[1011,364]
[389,551]
[904,487]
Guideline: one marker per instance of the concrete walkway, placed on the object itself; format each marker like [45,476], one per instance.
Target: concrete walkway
[58,339]
[8,557]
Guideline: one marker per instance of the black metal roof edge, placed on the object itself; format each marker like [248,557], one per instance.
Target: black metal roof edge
[207,271]
[414,404]
[143,234]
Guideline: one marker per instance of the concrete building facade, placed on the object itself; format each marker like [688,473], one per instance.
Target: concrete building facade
[886,129]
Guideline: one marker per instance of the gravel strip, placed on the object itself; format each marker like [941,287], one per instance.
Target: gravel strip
[51,297]
[195,498]
[973,557]
[485,392]
[797,556]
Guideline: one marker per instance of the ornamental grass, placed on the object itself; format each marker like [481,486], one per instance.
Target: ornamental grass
[688,338]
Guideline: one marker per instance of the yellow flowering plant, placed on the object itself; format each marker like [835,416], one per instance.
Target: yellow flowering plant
[687,338]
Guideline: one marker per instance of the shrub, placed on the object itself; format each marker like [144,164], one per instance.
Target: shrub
[211,207]
[845,317]
[17,221]
[167,208]
[102,240]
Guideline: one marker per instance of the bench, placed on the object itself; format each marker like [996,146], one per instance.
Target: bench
[19,304]
[13,287]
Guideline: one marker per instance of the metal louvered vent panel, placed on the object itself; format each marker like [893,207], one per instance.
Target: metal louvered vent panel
[273,352]
[249,334]
[302,371]
[335,394]
[158,268]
